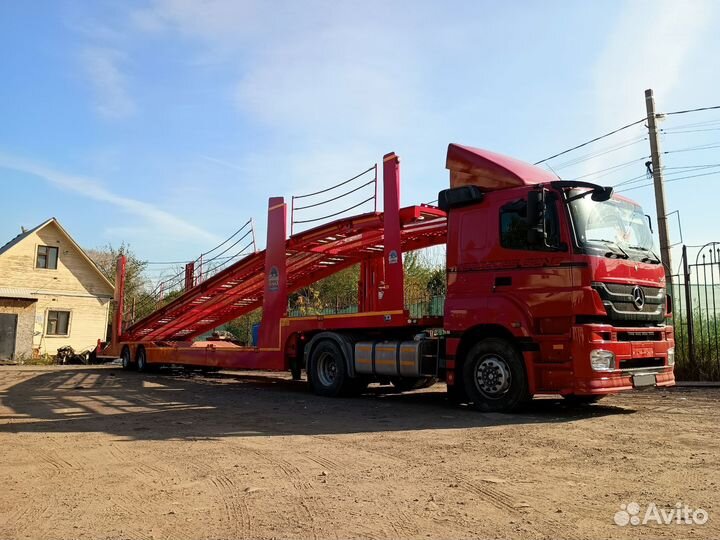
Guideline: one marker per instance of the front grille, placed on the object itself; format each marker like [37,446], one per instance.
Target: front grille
[639,336]
[618,301]
[642,363]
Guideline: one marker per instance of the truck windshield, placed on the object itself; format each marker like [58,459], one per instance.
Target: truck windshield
[616,225]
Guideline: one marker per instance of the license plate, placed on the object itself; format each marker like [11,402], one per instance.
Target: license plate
[642,352]
[643,379]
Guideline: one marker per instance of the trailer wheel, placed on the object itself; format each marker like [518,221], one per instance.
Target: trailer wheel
[328,369]
[494,376]
[126,359]
[141,360]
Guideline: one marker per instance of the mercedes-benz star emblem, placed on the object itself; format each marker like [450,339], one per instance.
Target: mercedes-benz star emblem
[638,298]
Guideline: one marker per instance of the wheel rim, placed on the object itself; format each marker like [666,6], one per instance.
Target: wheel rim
[326,369]
[141,360]
[493,376]
[125,359]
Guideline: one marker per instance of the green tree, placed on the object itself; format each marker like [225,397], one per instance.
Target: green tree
[137,286]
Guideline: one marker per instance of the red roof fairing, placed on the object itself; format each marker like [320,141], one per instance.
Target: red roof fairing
[491,171]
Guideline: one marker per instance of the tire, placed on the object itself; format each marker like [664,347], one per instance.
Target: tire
[575,400]
[328,369]
[494,377]
[126,359]
[406,384]
[141,360]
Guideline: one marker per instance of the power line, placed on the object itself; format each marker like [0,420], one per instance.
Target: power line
[708,146]
[681,170]
[601,152]
[673,131]
[684,111]
[714,107]
[672,180]
[609,170]
[166,262]
[591,141]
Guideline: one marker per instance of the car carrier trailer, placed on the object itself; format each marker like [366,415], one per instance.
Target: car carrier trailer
[552,288]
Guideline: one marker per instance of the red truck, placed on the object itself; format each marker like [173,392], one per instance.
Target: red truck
[552,288]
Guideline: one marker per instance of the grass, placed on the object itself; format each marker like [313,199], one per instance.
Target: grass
[706,364]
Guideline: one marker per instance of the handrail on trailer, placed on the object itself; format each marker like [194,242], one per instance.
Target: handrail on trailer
[375,240]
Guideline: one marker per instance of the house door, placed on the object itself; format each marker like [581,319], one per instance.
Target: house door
[8,327]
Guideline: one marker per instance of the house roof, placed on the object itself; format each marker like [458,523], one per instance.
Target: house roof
[14,293]
[22,236]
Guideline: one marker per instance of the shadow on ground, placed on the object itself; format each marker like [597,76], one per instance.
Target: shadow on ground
[180,405]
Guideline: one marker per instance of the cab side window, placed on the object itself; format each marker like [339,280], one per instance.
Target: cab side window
[514,226]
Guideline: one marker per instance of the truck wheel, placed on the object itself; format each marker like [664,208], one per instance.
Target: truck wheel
[125,358]
[328,369]
[141,358]
[494,376]
[406,384]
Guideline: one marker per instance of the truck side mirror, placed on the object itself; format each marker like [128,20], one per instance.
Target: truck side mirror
[649,222]
[536,217]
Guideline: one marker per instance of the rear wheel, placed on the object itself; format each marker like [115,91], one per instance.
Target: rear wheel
[328,369]
[141,359]
[494,376]
[125,358]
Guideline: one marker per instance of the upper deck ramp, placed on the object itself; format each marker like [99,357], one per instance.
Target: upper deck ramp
[311,255]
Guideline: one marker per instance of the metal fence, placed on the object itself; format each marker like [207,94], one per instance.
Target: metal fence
[696,314]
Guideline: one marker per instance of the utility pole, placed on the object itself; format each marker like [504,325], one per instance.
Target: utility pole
[659,186]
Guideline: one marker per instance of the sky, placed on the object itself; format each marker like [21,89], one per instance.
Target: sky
[167,124]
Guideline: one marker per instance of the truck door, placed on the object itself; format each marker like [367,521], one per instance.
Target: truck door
[532,272]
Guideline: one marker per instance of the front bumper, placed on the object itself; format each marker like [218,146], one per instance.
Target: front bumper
[638,351]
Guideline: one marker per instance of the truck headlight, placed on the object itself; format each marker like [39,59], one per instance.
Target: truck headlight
[602,360]
[671,356]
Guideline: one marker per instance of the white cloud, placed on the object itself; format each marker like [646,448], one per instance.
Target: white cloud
[109,84]
[648,48]
[158,221]
[335,84]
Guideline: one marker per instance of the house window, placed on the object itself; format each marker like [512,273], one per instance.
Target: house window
[47,257]
[58,323]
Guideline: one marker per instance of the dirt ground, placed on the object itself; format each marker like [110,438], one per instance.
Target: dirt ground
[101,453]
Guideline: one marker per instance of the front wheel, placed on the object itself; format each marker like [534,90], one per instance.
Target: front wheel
[494,376]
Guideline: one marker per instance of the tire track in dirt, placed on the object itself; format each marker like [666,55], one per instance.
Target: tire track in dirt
[236,514]
[19,520]
[505,502]
[323,461]
[399,525]
[139,516]
[39,519]
[293,473]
